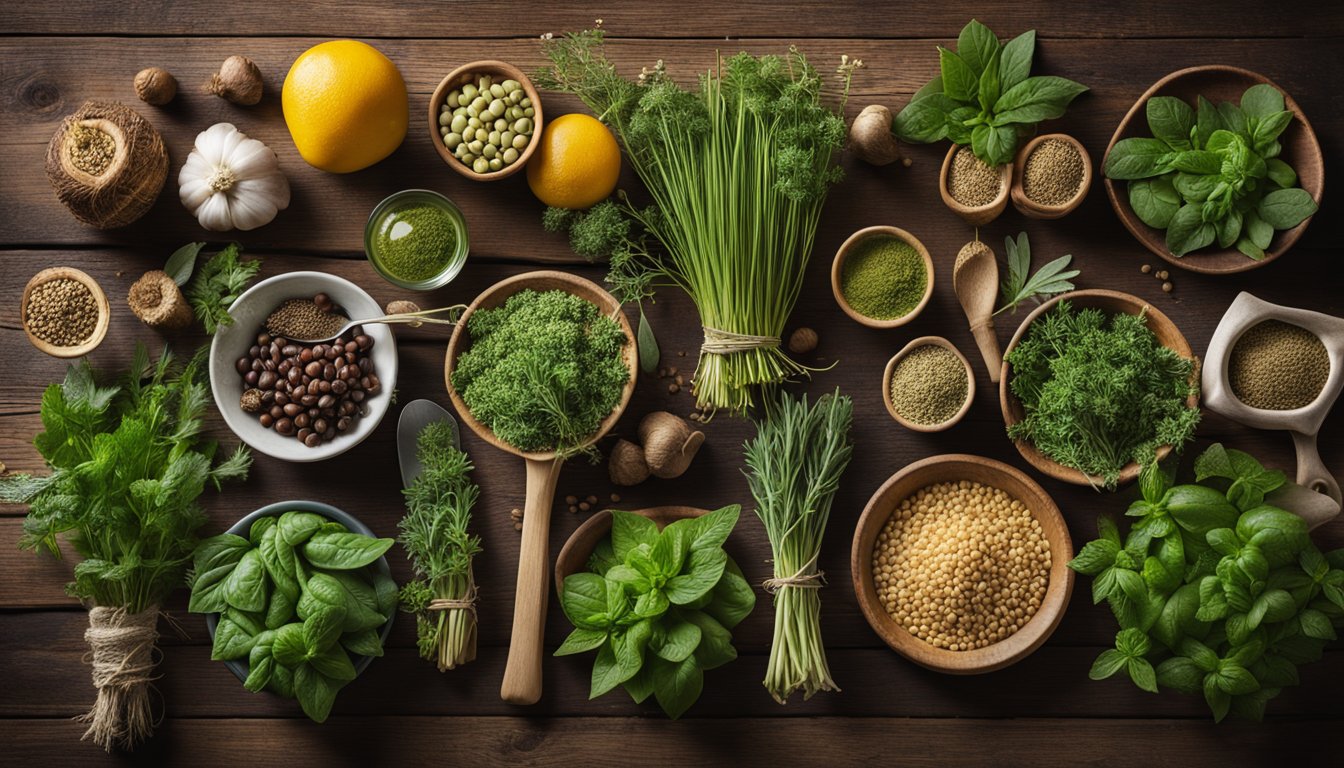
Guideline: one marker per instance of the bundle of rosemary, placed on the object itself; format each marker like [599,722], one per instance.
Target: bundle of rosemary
[434,534]
[795,464]
[738,171]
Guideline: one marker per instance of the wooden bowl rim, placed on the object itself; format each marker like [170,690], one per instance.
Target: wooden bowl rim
[978,215]
[914,344]
[458,76]
[495,295]
[1012,407]
[1196,261]
[1012,481]
[1029,207]
[99,297]
[843,253]
[598,525]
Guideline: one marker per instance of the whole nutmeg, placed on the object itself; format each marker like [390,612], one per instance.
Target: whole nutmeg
[402,307]
[802,341]
[626,464]
[238,81]
[155,85]
[251,400]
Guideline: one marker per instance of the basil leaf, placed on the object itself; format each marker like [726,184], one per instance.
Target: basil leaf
[629,530]
[1317,625]
[1228,228]
[1171,120]
[1015,60]
[182,263]
[344,551]
[1233,118]
[676,641]
[630,579]
[924,120]
[977,46]
[988,91]
[931,88]
[1286,208]
[1108,663]
[1197,161]
[296,527]
[1181,674]
[649,353]
[676,686]
[1188,231]
[334,664]
[315,692]
[1268,128]
[366,642]
[959,79]
[1177,619]
[288,645]
[1141,672]
[1137,158]
[732,598]
[1261,100]
[1207,120]
[581,640]
[1280,173]
[716,642]
[712,530]
[246,587]
[1155,201]
[1194,188]
[1218,700]
[704,571]
[584,597]
[640,687]
[1000,143]
[609,671]
[958,129]
[1036,99]
[1094,557]
[669,552]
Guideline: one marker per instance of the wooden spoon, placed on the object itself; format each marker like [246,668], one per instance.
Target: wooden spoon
[522,673]
[975,280]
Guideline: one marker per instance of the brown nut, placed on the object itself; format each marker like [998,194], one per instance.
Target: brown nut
[802,341]
[626,464]
[669,443]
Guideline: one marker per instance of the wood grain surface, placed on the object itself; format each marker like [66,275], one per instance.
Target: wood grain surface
[1041,711]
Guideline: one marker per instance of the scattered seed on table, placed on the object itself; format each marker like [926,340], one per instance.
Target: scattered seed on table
[615,497]
[1146,268]
[1166,287]
[673,389]
[584,506]
[571,499]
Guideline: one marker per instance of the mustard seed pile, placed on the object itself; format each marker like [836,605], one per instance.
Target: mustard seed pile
[970,181]
[306,318]
[929,385]
[62,312]
[1053,173]
[92,150]
[961,565]
[1278,366]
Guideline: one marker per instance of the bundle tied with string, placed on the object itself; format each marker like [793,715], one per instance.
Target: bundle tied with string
[122,651]
[107,164]
[458,618]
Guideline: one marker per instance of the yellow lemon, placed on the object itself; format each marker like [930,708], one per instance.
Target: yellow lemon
[345,105]
[576,164]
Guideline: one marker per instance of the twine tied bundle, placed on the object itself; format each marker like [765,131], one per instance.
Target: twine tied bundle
[121,653]
[814,580]
[125,188]
[719,342]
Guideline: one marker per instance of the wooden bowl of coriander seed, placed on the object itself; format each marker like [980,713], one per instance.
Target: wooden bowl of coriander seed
[65,313]
[928,386]
[1052,175]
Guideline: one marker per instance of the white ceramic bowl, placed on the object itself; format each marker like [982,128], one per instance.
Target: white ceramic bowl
[232,342]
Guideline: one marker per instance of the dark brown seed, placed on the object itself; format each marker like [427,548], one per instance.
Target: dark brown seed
[323,302]
[362,341]
[328,371]
[302,420]
[313,440]
[277,412]
[258,364]
[266,420]
[313,369]
[585,506]
[339,387]
[365,365]
[303,433]
[284,426]
[343,423]
[326,401]
[320,425]
[347,408]
[293,409]
[266,380]
[350,357]
[298,390]
[263,339]
[308,400]
[268,398]
[251,378]
[329,434]
[243,365]
[357,395]
[306,356]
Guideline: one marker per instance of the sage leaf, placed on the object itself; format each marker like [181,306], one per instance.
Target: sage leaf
[182,263]
[649,354]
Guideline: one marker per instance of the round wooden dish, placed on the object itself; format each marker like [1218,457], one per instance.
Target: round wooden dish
[948,468]
[579,546]
[1219,83]
[1034,210]
[1110,302]
[848,246]
[938,341]
[99,298]
[498,70]
[979,215]
[522,674]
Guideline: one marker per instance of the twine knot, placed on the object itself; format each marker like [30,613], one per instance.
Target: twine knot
[719,342]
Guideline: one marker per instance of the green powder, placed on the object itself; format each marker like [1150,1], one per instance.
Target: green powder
[929,385]
[416,243]
[883,278]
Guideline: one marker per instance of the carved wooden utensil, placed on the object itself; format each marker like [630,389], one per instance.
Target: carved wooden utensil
[975,280]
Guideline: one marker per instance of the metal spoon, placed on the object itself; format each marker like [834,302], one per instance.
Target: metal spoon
[412,319]
[415,416]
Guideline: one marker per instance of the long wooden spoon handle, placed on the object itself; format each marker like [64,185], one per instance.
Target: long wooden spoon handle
[522,673]
[988,343]
[1311,471]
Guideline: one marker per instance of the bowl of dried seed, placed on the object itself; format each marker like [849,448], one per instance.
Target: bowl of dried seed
[928,386]
[65,313]
[960,564]
[1052,175]
[975,191]
[882,277]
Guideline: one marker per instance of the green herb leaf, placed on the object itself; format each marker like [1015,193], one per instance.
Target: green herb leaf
[1188,231]
[334,664]
[344,551]
[182,263]
[296,527]
[988,91]
[677,641]
[368,642]
[217,284]
[1141,672]
[677,685]
[1108,663]
[712,530]
[649,353]
[1020,285]
[581,640]
[1155,201]
[733,598]
[716,642]
[1171,120]
[1036,99]
[703,572]
[1180,673]
[977,46]
[289,646]
[1281,174]
[584,600]
[315,692]
[1286,208]
[1261,100]
[261,665]
[246,587]
[959,79]
[1137,158]
[629,530]
[924,120]
[1015,60]
[232,639]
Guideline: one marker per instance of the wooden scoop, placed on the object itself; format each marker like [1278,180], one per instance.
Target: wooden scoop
[522,674]
[975,280]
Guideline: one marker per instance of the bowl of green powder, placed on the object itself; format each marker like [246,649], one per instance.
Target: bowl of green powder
[882,277]
[928,386]
[416,239]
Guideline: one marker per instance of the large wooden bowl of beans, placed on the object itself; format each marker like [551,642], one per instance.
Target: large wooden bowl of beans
[960,564]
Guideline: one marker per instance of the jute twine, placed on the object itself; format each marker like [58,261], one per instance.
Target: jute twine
[815,580]
[719,342]
[121,652]
[449,657]
[127,188]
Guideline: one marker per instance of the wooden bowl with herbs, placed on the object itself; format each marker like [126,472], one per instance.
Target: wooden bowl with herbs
[950,503]
[583,541]
[1220,84]
[504,83]
[1094,422]
[882,277]
[64,312]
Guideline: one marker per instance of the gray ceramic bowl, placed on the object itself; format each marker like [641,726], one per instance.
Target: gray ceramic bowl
[232,342]
[241,528]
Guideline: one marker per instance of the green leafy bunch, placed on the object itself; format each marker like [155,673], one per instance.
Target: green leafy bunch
[128,464]
[1100,392]
[296,598]
[216,284]
[1213,173]
[658,607]
[1021,285]
[1217,591]
[543,370]
[435,537]
[985,96]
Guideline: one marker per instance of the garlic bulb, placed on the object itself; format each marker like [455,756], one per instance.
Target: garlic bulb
[232,182]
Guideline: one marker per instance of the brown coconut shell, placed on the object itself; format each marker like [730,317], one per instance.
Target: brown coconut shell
[124,190]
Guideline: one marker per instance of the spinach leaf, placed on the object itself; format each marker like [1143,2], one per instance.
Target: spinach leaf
[344,551]
[234,637]
[1286,208]
[1155,201]
[323,628]
[296,527]
[368,642]
[246,586]
[277,556]
[315,692]
[289,646]
[214,561]
[258,529]
[1138,158]
[279,610]
[333,664]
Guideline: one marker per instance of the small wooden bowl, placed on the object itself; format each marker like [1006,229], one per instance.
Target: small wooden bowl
[1034,210]
[1218,83]
[891,367]
[1110,302]
[579,546]
[99,327]
[979,215]
[948,468]
[838,265]
[498,70]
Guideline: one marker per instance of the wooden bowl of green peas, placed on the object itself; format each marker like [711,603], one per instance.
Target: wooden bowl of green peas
[485,119]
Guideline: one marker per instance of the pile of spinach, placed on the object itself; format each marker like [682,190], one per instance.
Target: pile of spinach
[295,598]
[984,96]
[1213,173]
[1216,591]
[658,606]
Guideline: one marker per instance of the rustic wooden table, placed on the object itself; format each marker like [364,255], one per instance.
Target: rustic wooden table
[55,55]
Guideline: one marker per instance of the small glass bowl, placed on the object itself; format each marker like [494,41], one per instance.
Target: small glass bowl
[406,198]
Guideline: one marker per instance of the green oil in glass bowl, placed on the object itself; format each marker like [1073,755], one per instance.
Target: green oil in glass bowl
[416,239]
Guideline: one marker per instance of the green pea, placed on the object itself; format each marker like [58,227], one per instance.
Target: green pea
[452,140]
[444,108]
[522,125]
[459,123]
[493,138]
[497,107]
[443,130]
[526,102]
[474,122]
[475,147]
[497,91]
[482,134]
[473,112]
[460,151]
[510,156]
[520,141]
[480,165]
[489,150]
[501,124]
[506,139]
[495,164]
[485,82]
[529,112]
[514,97]
[469,91]
[445,118]
[511,85]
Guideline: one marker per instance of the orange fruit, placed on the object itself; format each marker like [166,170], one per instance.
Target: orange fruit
[345,105]
[576,163]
